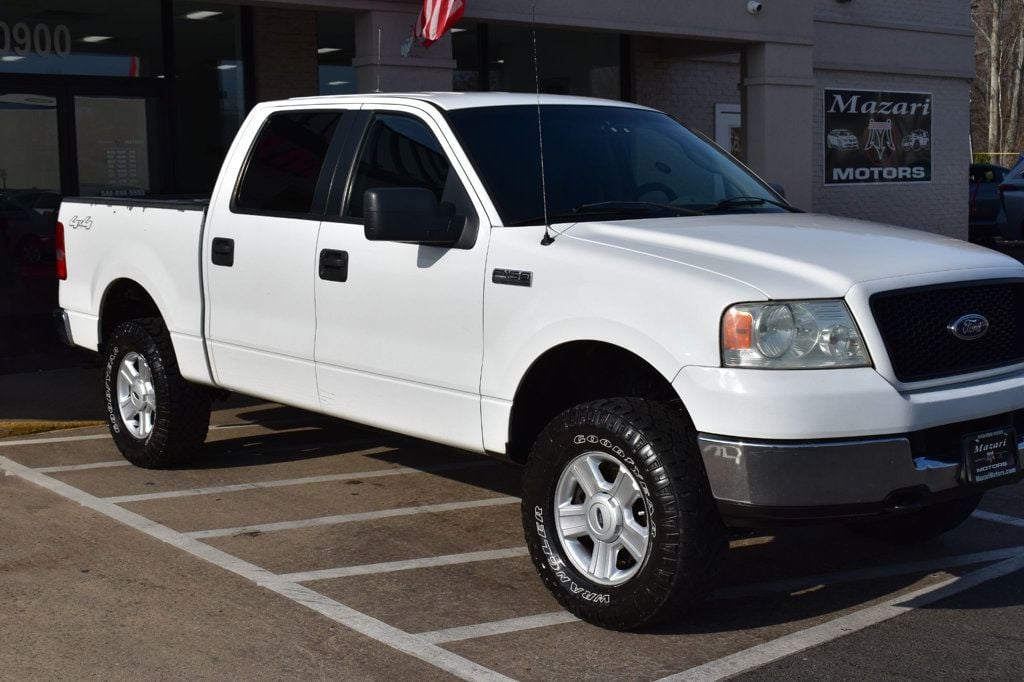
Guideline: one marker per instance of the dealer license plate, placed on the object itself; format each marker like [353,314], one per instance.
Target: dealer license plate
[990,455]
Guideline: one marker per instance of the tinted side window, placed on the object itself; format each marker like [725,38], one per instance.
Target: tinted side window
[399,151]
[284,164]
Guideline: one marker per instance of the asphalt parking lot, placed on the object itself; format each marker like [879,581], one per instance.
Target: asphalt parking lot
[301,547]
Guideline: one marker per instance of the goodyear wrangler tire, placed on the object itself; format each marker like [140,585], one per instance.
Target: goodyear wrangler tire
[618,514]
[157,418]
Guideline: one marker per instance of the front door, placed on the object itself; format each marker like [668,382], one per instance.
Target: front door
[259,255]
[399,342]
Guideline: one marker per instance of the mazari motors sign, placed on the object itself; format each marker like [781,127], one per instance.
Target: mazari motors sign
[877,137]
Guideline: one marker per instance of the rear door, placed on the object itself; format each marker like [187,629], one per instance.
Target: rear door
[260,256]
[399,338]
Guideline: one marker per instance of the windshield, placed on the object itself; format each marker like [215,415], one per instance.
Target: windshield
[602,161]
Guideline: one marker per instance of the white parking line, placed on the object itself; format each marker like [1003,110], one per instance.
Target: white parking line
[498,627]
[359,622]
[406,565]
[44,441]
[766,653]
[83,467]
[238,487]
[999,518]
[350,518]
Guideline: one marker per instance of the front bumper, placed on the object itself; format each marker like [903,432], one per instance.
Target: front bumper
[803,480]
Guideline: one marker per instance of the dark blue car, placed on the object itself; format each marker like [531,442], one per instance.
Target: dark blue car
[1010,219]
[985,179]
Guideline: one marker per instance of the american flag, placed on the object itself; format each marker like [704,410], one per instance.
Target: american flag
[436,17]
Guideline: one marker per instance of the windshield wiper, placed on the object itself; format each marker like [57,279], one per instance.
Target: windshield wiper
[635,207]
[742,201]
[609,208]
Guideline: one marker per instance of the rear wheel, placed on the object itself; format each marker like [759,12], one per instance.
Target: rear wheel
[618,515]
[157,418]
[922,525]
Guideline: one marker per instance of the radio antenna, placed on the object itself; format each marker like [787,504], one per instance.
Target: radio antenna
[380,39]
[548,239]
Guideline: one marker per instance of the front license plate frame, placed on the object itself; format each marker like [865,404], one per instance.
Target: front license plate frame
[990,455]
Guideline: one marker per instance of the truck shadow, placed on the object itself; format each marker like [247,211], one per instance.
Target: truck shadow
[793,576]
[825,552]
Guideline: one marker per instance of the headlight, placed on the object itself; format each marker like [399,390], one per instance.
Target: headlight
[792,335]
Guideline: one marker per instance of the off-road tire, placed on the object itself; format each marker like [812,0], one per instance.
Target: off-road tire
[919,526]
[182,415]
[687,538]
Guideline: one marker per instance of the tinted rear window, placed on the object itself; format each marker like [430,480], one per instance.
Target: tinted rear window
[285,162]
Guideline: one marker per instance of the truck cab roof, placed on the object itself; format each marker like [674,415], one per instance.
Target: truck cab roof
[450,101]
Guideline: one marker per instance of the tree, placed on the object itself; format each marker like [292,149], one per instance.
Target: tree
[997,114]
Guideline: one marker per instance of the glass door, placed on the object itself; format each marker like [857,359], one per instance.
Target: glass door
[30,184]
[65,136]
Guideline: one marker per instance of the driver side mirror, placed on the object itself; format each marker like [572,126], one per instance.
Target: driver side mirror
[410,215]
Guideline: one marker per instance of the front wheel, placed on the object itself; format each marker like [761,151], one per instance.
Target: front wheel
[921,525]
[157,418]
[618,514]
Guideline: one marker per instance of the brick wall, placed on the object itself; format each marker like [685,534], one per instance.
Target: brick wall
[685,86]
[927,48]
[285,42]
[688,86]
[953,14]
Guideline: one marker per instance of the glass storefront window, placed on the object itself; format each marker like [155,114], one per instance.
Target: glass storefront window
[29,195]
[571,62]
[210,83]
[336,44]
[113,146]
[71,37]
[466,51]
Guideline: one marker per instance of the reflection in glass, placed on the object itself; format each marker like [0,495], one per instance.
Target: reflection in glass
[571,62]
[466,50]
[29,194]
[210,80]
[336,44]
[113,146]
[95,38]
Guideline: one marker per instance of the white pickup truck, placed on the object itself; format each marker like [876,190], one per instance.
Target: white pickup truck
[666,344]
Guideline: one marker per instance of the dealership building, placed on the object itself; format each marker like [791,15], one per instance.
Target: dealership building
[856,107]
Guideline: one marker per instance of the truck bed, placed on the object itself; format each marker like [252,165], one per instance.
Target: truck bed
[152,242]
[180,202]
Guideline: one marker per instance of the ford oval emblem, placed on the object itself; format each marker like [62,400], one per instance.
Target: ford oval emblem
[969,327]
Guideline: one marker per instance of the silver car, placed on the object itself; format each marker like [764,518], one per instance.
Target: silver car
[842,140]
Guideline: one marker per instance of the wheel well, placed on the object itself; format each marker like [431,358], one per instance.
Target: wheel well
[124,300]
[575,373]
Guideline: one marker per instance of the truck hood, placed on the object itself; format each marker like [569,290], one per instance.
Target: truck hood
[793,255]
